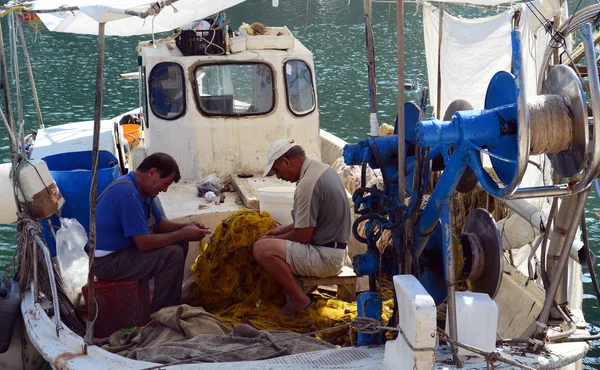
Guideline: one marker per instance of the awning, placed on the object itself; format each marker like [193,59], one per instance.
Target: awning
[91,12]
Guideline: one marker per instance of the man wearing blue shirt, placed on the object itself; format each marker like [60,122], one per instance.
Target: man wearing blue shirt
[134,241]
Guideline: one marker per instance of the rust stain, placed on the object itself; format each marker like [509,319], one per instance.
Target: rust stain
[63,358]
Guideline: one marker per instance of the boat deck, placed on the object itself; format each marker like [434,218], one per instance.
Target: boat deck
[182,202]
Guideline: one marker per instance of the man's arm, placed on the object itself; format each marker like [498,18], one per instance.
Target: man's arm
[280,230]
[166,226]
[302,235]
[150,242]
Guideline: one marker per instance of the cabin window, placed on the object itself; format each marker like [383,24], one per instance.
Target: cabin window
[242,89]
[299,87]
[167,90]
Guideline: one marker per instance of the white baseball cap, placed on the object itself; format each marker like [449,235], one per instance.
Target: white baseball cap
[277,149]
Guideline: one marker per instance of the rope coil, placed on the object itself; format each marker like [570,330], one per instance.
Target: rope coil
[551,124]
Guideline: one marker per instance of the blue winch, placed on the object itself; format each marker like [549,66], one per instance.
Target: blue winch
[557,122]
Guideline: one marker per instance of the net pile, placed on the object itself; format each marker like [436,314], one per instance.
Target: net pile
[233,286]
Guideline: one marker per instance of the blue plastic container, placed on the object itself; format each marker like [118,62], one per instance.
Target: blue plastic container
[73,175]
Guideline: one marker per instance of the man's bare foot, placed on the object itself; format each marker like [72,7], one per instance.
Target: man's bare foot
[292,308]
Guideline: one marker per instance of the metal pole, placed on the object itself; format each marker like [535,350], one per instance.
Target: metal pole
[7,102]
[51,279]
[562,263]
[373,121]
[30,72]
[563,221]
[438,105]
[450,278]
[91,300]
[400,131]
[21,124]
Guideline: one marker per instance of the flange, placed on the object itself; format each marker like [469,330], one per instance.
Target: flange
[502,90]
[481,223]
[563,81]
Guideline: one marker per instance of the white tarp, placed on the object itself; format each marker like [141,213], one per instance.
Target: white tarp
[473,50]
[91,12]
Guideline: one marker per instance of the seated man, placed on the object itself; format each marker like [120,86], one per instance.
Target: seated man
[315,244]
[134,241]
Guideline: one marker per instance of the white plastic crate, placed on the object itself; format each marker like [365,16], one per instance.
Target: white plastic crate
[237,44]
[275,38]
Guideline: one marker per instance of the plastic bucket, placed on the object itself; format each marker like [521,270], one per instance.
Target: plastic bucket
[133,134]
[278,201]
[72,173]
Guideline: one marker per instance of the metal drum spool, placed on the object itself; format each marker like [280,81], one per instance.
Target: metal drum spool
[483,254]
[562,87]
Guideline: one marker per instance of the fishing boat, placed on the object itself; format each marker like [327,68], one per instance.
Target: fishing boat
[505,274]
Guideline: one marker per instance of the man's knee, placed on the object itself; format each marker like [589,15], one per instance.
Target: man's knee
[267,248]
[174,253]
[258,250]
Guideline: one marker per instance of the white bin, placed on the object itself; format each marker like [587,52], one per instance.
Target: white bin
[278,201]
[477,321]
[8,206]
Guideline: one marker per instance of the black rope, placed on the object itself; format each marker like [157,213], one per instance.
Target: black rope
[558,38]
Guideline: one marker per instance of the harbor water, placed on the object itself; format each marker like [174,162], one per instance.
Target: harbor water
[65,66]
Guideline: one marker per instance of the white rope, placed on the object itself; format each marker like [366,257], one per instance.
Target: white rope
[551,124]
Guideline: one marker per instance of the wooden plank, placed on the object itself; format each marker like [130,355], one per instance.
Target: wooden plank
[579,51]
[347,292]
[334,280]
[346,276]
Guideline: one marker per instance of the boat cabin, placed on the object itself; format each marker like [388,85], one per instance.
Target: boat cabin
[220,113]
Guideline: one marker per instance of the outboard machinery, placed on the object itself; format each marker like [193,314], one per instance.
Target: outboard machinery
[508,130]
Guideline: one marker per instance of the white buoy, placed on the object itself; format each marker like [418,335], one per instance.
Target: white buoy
[39,189]
[8,206]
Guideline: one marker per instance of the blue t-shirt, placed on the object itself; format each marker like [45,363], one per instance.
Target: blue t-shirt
[122,213]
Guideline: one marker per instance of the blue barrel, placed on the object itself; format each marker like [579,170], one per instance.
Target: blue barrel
[73,175]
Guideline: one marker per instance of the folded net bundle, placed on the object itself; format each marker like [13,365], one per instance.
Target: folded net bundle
[233,286]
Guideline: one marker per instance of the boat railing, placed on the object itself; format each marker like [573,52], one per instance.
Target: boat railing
[32,229]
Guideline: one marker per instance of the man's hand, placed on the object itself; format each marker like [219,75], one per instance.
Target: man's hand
[280,230]
[274,232]
[198,225]
[194,233]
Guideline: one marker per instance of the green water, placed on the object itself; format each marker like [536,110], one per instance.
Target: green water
[64,67]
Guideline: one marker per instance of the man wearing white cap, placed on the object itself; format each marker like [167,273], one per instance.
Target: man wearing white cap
[315,243]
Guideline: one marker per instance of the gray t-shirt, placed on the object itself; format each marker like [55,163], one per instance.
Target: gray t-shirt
[320,201]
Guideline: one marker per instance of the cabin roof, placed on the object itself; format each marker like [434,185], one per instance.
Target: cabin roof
[170,50]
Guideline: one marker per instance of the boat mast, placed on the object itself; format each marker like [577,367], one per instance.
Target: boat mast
[91,302]
[373,121]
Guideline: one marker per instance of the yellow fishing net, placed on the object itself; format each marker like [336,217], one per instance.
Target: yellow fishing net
[233,286]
